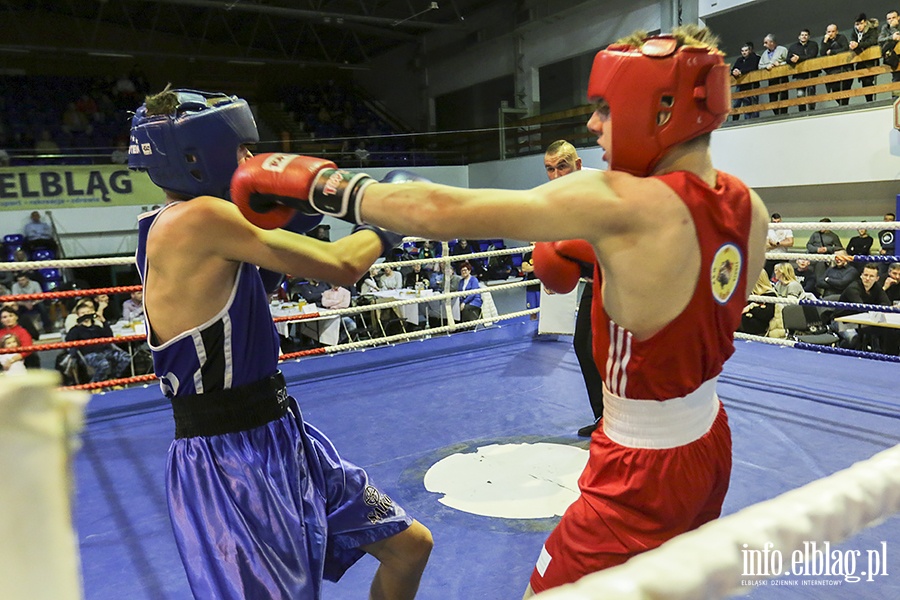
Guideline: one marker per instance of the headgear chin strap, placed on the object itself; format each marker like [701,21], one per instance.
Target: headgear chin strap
[192,151]
[659,95]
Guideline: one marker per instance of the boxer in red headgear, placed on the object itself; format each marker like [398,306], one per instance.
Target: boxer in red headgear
[674,240]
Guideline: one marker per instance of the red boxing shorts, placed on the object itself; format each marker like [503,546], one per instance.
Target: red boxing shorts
[634,499]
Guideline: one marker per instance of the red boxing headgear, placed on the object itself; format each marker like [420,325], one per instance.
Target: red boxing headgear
[660,95]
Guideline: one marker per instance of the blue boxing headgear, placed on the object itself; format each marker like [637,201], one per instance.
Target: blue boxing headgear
[192,151]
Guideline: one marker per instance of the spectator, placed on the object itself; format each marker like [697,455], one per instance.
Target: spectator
[838,276]
[469,306]
[311,291]
[336,297]
[786,284]
[45,144]
[777,240]
[860,245]
[757,316]
[12,363]
[806,275]
[800,51]
[863,290]
[417,278]
[119,156]
[774,56]
[833,44]
[866,36]
[25,285]
[72,317]
[107,360]
[390,279]
[823,241]
[890,283]
[23,329]
[888,38]
[38,234]
[748,61]
[369,283]
[133,308]
[321,232]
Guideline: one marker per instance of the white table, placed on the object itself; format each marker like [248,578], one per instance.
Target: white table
[325,330]
[413,313]
[873,318]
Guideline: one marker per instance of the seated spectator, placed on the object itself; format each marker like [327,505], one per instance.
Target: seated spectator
[9,325]
[107,360]
[390,279]
[823,241]
[499,267]
[786,284]
[133,308]
[119,155]
[336,297]
[864,290]
[369,283]
[417,278]
[890,283]
[25,285]
[838,276]
[311,291]
[461,248]
[469,306]
[38,234]
[98,309]
[886,238]
[757,316]
[806,275]
[12,363]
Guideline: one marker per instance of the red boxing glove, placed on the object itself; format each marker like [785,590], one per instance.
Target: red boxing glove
[269,188]
[558,264]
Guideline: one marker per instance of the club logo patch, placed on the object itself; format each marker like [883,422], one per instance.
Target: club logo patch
[382,505]
[725,272]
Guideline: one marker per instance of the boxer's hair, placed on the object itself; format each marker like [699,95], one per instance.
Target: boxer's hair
[687,35]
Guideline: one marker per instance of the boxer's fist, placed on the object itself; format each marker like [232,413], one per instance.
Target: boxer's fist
[269,188]
[558,264]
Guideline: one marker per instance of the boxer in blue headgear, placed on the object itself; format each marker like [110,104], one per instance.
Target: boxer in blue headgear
[261,503]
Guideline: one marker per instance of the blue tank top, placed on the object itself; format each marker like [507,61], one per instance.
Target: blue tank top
[239,345]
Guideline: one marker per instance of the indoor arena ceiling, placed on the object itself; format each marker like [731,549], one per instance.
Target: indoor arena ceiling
[344,33]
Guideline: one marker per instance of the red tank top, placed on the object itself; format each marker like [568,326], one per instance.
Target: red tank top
[694,346]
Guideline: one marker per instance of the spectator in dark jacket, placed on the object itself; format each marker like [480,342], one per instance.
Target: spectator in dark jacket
[833,44]
[800,51]
[865,36]
[748,61]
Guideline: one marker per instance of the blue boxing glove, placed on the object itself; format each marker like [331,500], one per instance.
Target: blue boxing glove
[389,239]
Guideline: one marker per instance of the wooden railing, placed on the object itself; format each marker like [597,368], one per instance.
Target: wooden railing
[815,66]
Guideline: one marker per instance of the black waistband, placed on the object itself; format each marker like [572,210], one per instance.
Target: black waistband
[227,411]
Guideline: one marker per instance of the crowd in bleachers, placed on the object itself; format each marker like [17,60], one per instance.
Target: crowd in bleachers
[864,34]
[336,115]
[44,115]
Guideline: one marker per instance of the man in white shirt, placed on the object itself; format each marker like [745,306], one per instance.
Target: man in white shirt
[777,240]
[391,279]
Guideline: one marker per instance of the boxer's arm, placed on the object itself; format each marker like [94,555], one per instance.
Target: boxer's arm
[581,205]
[221,231]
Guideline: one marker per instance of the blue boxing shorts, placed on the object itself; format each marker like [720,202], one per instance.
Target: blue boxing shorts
[272,511]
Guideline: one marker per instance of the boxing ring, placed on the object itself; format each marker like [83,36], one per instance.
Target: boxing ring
[398,408]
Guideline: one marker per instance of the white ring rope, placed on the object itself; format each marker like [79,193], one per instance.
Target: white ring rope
[709,562]
[880,225]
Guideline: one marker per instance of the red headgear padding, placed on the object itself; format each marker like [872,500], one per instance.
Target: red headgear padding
[659,95]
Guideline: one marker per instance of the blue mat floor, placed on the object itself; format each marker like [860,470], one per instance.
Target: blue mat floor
[796,416]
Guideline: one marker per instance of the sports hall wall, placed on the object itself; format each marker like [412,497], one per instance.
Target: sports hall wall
[828,178]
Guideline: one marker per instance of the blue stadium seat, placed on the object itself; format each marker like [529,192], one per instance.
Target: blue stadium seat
[51,279]
[12,243]
[43,254]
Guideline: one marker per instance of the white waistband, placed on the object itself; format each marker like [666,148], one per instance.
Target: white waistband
[660,424]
